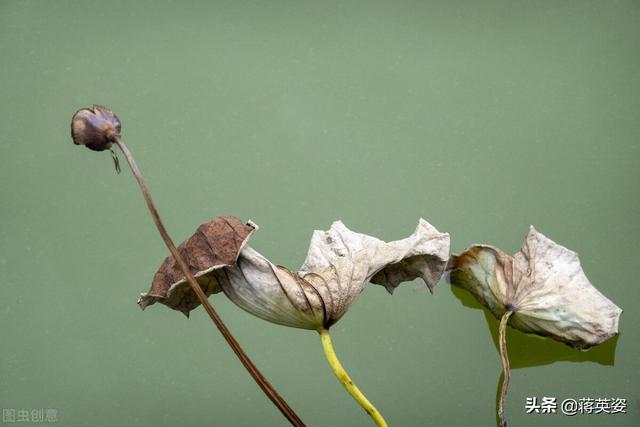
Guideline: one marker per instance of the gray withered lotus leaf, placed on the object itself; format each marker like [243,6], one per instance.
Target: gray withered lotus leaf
[338,266]
[544,286]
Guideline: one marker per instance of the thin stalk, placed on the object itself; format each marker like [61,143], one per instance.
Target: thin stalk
[248,364]
[346,381]
[506,370]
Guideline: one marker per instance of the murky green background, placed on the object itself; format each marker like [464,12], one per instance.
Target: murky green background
[482,117]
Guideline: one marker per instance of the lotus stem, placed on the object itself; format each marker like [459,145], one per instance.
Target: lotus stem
[248,364]
[346,381]
[506,370]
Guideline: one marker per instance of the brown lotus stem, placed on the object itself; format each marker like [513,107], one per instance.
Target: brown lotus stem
[506,370]
[248,364]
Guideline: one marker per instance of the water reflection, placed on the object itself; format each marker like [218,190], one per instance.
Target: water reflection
[532,350]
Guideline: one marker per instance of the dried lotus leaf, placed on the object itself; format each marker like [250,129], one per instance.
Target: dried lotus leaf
[214,245]
[545,288]
[542,289]
[339,264]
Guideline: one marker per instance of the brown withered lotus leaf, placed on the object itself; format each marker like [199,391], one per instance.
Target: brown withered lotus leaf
[214,245]
[543,285]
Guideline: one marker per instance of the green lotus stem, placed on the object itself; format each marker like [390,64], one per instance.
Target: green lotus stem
[506,371]
[346,381]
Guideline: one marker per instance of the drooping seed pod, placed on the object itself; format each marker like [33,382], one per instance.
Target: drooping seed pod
[99,128]
[95,128]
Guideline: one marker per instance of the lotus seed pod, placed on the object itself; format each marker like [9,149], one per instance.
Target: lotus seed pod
[95,128]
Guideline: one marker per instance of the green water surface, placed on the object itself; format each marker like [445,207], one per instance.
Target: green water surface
[482,117]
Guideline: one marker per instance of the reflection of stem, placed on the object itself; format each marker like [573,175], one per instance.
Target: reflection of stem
[248,364]
[505,366]
[343,377]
